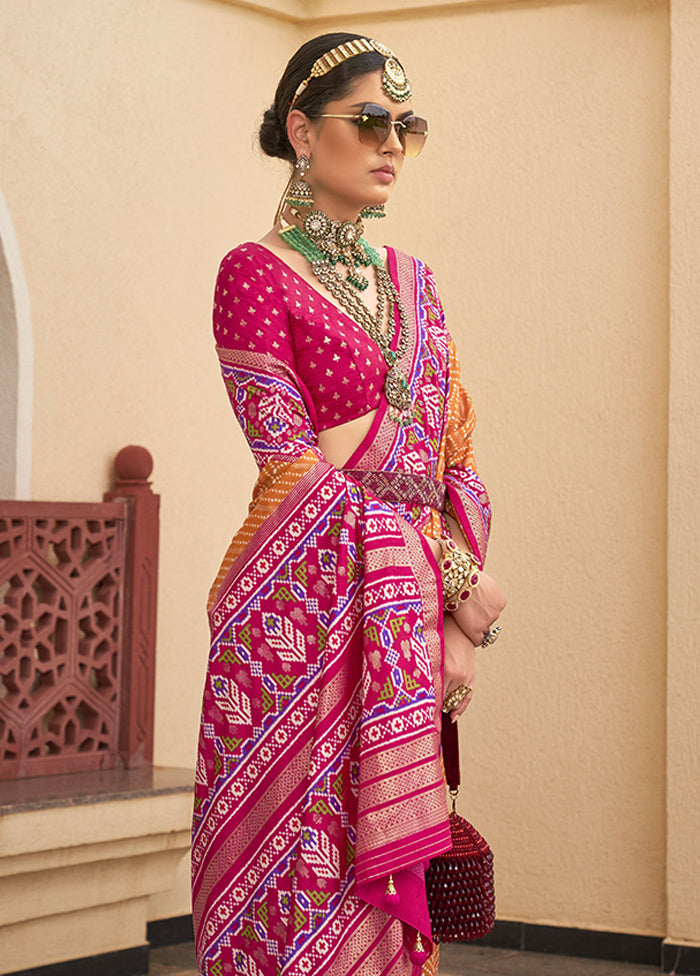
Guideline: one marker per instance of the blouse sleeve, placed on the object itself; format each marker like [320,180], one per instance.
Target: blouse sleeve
[256,353]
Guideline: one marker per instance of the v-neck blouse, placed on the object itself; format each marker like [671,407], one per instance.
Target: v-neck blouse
[264,307]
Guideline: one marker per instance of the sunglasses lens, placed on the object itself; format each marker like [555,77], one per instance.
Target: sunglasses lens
[413,134]
[374,125]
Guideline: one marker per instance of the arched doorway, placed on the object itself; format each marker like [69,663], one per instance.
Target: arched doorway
[16,366]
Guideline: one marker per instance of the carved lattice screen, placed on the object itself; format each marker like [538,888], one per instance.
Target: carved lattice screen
[61,635]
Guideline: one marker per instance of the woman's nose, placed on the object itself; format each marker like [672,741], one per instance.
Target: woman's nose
[393,143]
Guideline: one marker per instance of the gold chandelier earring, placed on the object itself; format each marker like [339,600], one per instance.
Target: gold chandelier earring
[297,192]
[300,193]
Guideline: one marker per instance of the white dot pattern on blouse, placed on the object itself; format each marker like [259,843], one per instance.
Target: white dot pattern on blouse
[261,305]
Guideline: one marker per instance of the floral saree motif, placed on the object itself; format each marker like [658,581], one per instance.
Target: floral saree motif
[319,770]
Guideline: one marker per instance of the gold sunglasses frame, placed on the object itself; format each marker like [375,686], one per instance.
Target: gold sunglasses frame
[392,123]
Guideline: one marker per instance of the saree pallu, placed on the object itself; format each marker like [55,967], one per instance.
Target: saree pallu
[319,773]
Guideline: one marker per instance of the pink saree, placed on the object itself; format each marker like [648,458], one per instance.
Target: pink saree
[319,781]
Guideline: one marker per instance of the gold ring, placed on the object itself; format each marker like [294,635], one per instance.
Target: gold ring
[491,637]
[456,697]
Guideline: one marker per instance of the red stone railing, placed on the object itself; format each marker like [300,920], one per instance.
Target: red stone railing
[78,597]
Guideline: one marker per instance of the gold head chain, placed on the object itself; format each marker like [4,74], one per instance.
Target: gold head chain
[394,80]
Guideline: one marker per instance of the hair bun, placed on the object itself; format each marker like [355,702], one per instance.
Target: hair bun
[332,85]
[273,137]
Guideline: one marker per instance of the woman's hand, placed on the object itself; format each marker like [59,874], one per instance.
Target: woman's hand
[460,664]
[477,615]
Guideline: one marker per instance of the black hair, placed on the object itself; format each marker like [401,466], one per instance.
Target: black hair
[320,91]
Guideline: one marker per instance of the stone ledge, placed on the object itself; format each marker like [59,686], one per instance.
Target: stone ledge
[77,848]
[73,789]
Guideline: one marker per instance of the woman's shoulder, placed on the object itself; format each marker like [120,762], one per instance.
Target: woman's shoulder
[248,259]
[249,289]
[251,269]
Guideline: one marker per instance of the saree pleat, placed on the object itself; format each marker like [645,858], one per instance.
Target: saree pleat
[319,770]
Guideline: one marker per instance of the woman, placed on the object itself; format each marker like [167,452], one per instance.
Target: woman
[344,621]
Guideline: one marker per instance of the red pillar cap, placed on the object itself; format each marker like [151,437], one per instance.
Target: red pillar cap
[133,463]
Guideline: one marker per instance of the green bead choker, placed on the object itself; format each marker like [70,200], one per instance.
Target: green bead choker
[325,243]
[337,241]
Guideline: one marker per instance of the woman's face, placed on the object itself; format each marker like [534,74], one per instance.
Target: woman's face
[345,174]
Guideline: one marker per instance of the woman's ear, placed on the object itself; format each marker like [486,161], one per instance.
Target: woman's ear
[298,132]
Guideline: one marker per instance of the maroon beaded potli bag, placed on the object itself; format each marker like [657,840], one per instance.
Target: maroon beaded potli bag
[459,883]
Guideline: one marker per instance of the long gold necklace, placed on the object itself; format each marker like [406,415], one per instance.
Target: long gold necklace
[324,243]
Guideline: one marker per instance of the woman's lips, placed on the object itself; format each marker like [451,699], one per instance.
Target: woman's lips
[385,175]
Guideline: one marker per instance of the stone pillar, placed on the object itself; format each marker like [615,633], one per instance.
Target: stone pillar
[133,466]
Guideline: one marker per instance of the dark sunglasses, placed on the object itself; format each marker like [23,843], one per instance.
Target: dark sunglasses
[374,124]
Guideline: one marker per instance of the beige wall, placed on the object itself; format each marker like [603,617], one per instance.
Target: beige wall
[683,689]
[127,166]
[16,365]
[542,203]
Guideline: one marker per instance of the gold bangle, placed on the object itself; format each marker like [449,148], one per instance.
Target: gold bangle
[460,574]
